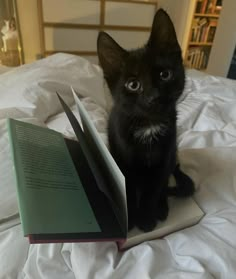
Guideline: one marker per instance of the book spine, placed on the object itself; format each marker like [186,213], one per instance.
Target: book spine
[204,33]
[198,6]
[197,57]
[211,34]
[32,240]
[209,7]
[214,7]
[204,4]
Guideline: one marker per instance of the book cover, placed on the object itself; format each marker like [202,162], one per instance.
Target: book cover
[185,210]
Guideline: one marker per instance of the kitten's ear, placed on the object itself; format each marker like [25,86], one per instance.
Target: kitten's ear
[163,32]
[111,55]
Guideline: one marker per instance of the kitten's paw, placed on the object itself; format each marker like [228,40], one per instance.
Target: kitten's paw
[185,186]
[162,210]
[182,191]
[185,189]
[146,223]
[188,189]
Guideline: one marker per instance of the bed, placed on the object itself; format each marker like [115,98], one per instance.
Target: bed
[207,151]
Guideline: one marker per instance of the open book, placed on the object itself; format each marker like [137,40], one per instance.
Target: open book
[72,191]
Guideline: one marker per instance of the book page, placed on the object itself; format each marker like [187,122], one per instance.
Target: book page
[51,196]
[106,161]
[43,160]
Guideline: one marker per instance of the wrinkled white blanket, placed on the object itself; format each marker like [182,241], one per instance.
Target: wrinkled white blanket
[207,143]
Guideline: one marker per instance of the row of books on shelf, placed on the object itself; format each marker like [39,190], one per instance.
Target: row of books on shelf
[203,30]
[208,6]
[197,57]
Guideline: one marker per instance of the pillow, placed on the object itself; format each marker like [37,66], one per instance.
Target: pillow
[30,90]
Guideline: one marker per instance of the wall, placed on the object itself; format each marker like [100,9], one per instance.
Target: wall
[225,40]
[181,13]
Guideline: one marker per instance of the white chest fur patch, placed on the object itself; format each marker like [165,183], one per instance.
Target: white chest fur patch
[148,134]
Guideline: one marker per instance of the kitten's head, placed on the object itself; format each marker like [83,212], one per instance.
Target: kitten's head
[148,78]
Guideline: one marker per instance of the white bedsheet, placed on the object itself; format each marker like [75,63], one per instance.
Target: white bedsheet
[4,69]
[207,143]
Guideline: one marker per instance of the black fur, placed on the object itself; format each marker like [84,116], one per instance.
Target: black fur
[146,163]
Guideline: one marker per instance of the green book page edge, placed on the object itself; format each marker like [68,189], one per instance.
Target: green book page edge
[50,194]
[118,185]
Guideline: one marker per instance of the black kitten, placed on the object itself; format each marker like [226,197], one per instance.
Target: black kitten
[145,85]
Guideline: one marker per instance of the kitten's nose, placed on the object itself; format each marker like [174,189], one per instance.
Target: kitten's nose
[153,96]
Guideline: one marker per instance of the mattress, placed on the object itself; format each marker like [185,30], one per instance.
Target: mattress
[207,151]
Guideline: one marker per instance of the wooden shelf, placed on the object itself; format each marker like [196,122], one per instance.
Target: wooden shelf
[207,15]
[200,44]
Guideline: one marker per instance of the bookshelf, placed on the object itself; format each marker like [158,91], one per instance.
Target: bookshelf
[202,33]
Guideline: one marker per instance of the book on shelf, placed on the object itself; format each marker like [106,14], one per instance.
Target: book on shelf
[197,57]
[203,6]
[198,26]
[206,6]
[198,6]
[203,30]
[210,8]
[211,31]
[73,191]
[211,34]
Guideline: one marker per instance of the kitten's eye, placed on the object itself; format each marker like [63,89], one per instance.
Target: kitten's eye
[133,85]
[166,75]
